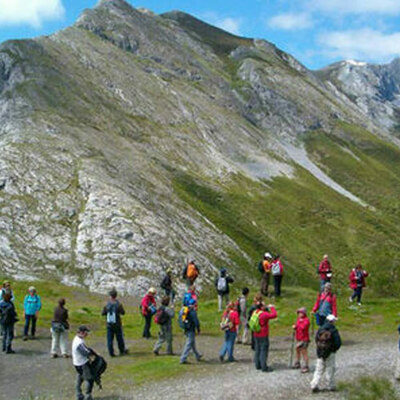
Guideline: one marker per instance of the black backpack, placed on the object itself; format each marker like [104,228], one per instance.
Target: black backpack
[184,272]
[8,315]
[261,266]
[324,343]
[98,366]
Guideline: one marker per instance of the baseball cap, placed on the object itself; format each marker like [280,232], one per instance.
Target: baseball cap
[83,328]
[268,255]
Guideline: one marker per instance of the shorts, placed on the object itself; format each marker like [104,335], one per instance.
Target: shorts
[302,345]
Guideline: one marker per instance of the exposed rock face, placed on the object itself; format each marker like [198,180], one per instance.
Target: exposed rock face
[100,121]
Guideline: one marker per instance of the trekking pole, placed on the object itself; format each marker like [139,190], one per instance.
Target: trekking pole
[291,351]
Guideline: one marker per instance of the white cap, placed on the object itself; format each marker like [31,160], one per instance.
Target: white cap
[31,289]
[267,255]
[331,318]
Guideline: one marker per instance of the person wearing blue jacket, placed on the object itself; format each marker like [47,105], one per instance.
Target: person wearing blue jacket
[191,327]
[32,306]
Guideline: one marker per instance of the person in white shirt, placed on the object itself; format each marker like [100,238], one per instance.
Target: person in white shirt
[80,359]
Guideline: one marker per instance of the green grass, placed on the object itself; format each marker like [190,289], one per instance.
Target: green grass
[368,388]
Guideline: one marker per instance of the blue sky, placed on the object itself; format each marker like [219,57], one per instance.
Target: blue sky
[317,32]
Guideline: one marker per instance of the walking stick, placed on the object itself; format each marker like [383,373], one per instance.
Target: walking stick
[312,324]
[291,351]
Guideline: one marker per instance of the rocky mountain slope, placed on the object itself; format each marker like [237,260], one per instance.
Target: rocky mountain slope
[131,141]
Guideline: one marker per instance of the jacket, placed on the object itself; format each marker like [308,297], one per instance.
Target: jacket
[80,352]
[336,340]
[32,304]
[119,310]
[234,319]
[170,312]
[147,301]
[302,329]
[267,266]
[61,316]
[243,307]
[166,283]
[228,281]
[8,315]
[325,304]
[324,268]
[264,318]
[193,324]
[354,283]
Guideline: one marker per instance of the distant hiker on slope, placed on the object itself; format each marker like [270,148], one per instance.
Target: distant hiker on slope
[148,309]
[164,317]
[357,283]
[325,305]
[222,285]
[8,318]
[265,268]
[230,325]
[81,361]
[113,311]
[328,343]
[243,332]
[166,285]
[397,372]
[302,332]
[325,272]
[189,322]
[59,330]
[258,324]
[277,273]
[190,273]
[32,306]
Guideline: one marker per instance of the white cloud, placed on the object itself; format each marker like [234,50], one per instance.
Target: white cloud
[388,7]
[30,12]
[366,44]
[228,24]
[290,21]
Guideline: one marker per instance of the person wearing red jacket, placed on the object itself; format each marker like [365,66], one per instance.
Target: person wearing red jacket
[148,308]
[325,271]
[230,324]
[357,283]
[261,338]
[302,332]
[325,305]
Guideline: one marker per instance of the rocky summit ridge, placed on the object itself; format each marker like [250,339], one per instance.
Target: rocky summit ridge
[131,141]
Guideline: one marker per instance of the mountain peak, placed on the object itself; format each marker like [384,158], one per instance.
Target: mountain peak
[112,3]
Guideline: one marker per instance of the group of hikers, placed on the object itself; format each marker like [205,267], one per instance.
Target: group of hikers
[240,322]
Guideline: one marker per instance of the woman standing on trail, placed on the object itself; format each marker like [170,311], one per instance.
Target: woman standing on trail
[357,283]
[230,325]
[325,305]
[148,309]
[277,273]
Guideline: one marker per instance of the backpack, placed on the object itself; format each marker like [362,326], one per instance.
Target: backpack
[325,343]
[222,284]
[161,317]
[8,315]
[276,270]
[254,323]
[183,318]
[226,323]
[260,267]
[98,366]
[192,271]
[112,310]
[184,272]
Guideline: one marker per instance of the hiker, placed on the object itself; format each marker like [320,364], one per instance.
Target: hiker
[357,283]
[328,343]
[277,273]
[148,308]
[8,318]
[265,268]
[164,318]
[189,295]
[7,288]
[242,308]
[166,285]
[59,330]
[397,372]
[113,311]
[222,285]
[81,359]
[302,333]
[189,321]
[259,322]
[325,271]
[258,299]
[325,305]
[230,325]
[32,306]
[190,273]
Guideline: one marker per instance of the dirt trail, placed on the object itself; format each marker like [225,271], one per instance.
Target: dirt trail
[31,373]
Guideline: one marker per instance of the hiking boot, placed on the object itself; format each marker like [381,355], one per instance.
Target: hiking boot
[296,365]
[350,299]
[332,389]
[156,352]
[54,356]
[359,304]
[124,353]
[200,357]
[66,356]
[315,390]
[233,360]
[185,362]
[305,370]
[25,338]
[221,358]
[269,369]
[9,351]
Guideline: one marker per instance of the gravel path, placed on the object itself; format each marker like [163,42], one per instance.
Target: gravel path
[31,374]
